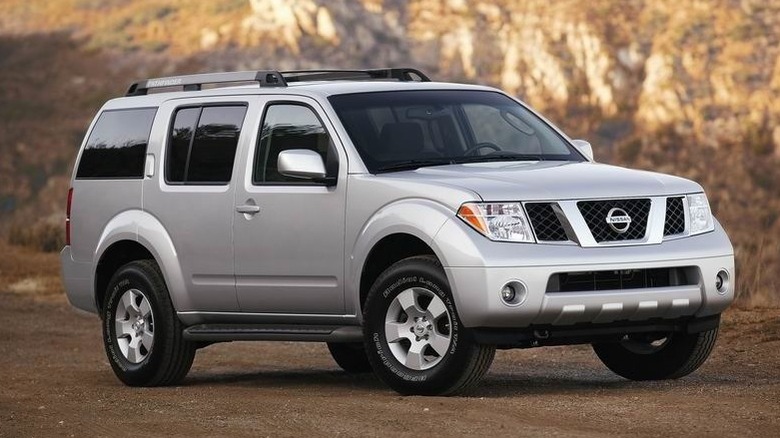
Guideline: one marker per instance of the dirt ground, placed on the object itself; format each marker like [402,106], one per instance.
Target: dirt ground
[55,381]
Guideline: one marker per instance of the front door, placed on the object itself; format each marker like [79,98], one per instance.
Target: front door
[289,233]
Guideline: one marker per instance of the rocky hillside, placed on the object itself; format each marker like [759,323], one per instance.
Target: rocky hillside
[691,88]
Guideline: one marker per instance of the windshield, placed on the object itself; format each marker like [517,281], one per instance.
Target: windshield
[403,130]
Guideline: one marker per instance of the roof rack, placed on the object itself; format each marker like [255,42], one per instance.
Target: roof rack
[273,78]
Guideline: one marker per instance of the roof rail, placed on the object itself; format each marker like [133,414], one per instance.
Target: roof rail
[273,78]
[400,74]
[266,78]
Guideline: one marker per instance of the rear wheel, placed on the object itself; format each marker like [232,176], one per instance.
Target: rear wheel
[141,333]
[414,339]
[659,356]
[350,356]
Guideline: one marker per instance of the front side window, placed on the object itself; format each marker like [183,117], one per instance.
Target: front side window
[202,144]
[404,130]
[116,147]
[285,127]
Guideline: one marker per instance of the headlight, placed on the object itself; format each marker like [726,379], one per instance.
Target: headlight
[699,214]
[505,222]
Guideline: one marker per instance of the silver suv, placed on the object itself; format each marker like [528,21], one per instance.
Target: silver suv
[414,226]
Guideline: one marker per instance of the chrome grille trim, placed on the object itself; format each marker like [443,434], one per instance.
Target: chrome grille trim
[569,221]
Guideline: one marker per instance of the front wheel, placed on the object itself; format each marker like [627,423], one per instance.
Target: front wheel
[141,332]
[413,337]
[657,356]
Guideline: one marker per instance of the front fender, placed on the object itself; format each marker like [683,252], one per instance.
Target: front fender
[420,218]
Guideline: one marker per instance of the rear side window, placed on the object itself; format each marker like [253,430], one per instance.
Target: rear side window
[116,147]
[202,144]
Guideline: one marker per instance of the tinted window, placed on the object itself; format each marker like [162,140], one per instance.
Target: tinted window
[116,147]
[179,146]
[288,126]
[204,155]
[406,129]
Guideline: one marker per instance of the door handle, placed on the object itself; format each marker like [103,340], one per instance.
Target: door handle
[248,209]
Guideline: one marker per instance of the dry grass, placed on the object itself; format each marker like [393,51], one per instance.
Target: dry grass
[35,274]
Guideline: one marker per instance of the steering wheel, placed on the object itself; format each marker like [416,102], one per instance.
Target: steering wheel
[485,144]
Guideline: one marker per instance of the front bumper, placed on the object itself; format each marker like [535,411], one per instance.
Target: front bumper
[478,269]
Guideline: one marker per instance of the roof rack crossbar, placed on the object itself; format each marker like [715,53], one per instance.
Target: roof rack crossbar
[400,74]
[266,78]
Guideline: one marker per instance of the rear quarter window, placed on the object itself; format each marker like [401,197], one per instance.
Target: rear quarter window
[116,147]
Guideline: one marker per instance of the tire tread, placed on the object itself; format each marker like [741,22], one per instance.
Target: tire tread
[704,346]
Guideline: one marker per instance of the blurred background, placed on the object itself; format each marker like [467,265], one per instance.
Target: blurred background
[690,88]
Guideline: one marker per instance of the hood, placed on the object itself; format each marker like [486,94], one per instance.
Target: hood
[552,180]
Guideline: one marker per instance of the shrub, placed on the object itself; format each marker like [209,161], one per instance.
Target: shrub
[44,235]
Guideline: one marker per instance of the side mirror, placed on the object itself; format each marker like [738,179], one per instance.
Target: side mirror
[584,147]
[302,164]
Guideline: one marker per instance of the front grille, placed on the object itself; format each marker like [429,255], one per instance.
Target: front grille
[546,224]
[675,217]
[623,279]
[595,215]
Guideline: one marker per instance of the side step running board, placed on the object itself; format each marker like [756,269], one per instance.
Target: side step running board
[267,332]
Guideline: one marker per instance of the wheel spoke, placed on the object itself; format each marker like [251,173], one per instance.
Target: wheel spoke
[408,301]
[414,358]
[436,308]
[147,338]
[123,327]
[395,331]
[133,299]
[439,343]
[128,306]
[145,308]
[124,344]
[133,351]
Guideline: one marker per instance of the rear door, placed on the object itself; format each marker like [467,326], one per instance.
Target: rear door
[192,196]
[289,254]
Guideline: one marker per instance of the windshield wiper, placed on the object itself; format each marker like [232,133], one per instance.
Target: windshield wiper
[411,165]
[498,157]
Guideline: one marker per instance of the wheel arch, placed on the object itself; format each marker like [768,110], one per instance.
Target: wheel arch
[399,230]
[390,249]
[115,256]
[135,235]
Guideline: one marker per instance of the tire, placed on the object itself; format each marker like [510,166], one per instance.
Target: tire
[413,338]
[141,333]
[672,357]
[351,357]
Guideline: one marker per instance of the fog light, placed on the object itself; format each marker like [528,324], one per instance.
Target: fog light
[722,281]
[513,293]
[508,293]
